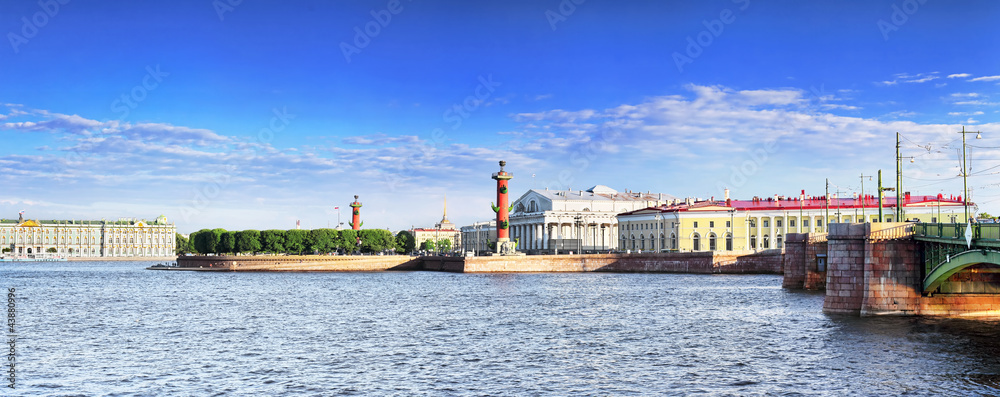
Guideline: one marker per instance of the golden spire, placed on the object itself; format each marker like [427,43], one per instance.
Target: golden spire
[445,217]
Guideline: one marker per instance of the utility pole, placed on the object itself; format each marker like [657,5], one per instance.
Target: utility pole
[965,172]
[899,181]
[826,215]
[863,198]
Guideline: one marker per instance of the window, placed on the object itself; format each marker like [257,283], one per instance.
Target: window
[767,223]
[729,242]
[728,224]
[696,243]
[766,242]
[696,225]
[753,223]
[805,223]
[778,245]
[711,242]
[673,241]
[791,223]
[819,223]
[753,242]
[777,223]
[711,223]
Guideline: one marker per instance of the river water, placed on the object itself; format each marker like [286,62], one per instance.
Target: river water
[113,328]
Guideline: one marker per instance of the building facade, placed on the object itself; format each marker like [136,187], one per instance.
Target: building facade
[558,221]
[444,230]
[478,236]
[760,224]
[126,237]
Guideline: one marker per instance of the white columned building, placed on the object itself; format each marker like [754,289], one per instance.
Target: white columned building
[560,221]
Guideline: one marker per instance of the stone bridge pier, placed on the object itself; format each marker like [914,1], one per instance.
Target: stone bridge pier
[875,269]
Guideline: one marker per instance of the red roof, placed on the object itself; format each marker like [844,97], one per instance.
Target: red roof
[810,202]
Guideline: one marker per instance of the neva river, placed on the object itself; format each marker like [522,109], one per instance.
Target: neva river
[113,328]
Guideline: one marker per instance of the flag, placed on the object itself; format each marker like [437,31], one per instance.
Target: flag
[336,208]
[21,213]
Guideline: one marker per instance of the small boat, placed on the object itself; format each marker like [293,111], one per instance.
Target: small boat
[163,266]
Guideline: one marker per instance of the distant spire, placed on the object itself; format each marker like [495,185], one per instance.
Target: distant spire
[445,217]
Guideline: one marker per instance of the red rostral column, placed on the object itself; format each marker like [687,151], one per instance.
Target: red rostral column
[501,208]
[356,219]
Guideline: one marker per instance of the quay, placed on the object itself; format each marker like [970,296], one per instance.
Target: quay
[734,262]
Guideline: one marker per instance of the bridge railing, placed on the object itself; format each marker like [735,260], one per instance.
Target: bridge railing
[892,233]
[980,231]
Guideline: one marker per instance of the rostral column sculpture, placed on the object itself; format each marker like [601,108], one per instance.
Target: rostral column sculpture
[356,218]
[504,245]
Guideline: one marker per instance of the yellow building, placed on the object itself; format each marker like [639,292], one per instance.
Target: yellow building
[126,237]
[760,223]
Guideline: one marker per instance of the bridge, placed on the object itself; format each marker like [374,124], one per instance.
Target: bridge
[970,251]
[900,268]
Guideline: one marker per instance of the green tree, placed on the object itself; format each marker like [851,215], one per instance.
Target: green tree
[347,240]
[51,250]
[248,241]
[205,241]
[444,245]
[321,240]
[182,245]
[428,245]
[272,241]
[405,242]
[985,215]
[227,242]
[295,241]
[215,240]
[376,240]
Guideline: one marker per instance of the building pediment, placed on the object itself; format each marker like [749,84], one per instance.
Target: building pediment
[530,202]
[28,223]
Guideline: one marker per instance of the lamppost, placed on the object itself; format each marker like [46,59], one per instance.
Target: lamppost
[579,230]
[965,172]
[657,231]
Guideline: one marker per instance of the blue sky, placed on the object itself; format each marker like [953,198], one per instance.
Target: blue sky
[255,114]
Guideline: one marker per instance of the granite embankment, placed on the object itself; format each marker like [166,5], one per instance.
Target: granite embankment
[687,262]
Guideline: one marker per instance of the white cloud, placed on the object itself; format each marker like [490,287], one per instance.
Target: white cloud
[986,78]
[958,75]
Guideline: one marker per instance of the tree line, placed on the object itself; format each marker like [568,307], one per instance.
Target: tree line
[295,241]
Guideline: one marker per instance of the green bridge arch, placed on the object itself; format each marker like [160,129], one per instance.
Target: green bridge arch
[959,262]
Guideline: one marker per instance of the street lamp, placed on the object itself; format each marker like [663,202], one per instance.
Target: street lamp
[965,172]
[658,228]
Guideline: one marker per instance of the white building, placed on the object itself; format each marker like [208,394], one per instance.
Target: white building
[126,237]
[478,236]
[574,220]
